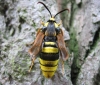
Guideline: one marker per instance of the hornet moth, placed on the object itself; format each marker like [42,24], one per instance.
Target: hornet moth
[49,44]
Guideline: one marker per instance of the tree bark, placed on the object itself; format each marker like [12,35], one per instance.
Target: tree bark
[19,21]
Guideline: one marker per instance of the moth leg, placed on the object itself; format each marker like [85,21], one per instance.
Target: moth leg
[32,63]
[63,69]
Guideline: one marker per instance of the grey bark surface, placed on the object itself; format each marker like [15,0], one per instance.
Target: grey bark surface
[87,24]
[19,20]
[87,29]
[84,45]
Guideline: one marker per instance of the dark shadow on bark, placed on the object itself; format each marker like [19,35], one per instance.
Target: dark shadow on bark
[94,42]
[97,78]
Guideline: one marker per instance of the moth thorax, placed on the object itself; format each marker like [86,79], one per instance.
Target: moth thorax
[50,30]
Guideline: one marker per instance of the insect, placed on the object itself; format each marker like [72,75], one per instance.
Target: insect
[50,45]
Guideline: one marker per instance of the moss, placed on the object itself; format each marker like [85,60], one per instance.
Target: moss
[24,10]
[20,66]
[34,24]
[73,43]
[42,81]
[65,15]
[74,48]
[1,83]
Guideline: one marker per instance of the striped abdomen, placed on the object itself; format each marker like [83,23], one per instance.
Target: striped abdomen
[49,59]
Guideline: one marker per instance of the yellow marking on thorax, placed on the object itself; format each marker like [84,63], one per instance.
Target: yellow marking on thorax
[56,25]
[46,24]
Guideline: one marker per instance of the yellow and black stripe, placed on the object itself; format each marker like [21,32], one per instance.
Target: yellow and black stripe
[49,58]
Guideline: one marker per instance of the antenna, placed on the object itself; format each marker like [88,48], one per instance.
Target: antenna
[61,11]
[46,8]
